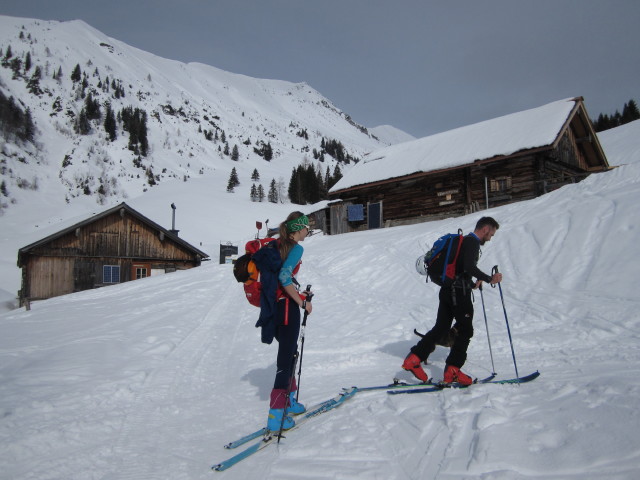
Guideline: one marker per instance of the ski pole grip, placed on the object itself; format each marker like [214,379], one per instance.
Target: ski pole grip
[309,295]
[494,270]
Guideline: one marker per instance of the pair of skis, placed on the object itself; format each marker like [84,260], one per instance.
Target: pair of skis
[437,387]
[397,387]
[269,438]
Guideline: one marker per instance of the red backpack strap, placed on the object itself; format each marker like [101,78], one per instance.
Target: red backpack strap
[452,266]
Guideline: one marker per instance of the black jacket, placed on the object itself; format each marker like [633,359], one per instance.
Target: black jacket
[467,265]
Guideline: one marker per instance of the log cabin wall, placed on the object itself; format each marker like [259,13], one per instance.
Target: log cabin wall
[470,188]
[485,183]
[84,257]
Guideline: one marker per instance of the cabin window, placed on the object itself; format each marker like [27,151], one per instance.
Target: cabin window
[501,184]
[111,274]
[355,213]
[141,272]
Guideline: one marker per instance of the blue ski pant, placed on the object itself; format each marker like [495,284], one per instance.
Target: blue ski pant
[287,332]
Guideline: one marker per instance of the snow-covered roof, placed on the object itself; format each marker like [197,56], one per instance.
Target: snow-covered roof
[500,136]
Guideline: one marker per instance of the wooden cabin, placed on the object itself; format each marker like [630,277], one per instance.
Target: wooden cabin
[115,246]
[509,159]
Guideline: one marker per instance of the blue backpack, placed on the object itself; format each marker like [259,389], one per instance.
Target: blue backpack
[440,262]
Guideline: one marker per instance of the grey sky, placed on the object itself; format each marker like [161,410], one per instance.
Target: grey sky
[420,65]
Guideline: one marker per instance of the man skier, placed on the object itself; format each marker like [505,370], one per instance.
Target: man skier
[456,302]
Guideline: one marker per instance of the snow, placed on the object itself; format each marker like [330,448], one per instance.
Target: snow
[620,143]
[499,136]
[390,135]
[182,102]
[149,379]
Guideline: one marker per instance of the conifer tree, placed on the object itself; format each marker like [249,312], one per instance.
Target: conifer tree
[34,82]
[110,123]
[253,195]
[233,180]
[27,62]
[15,64]
[273,192]
[8,54]
[82,125]
[92,107]
[260,193]
[630,112]
[268,152]
[76,74]
[337,175]
[295,189]
[29,126]
[255,176]
[235,155]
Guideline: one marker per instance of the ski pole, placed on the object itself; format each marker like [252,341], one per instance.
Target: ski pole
[486,324]
[302,327]
[493,272]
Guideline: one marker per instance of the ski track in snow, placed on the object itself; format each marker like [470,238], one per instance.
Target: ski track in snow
[150,379]
[183,373]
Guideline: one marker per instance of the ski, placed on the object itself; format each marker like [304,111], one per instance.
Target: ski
[396,384]
[271,438]
[246,438]
[441,386]
[263,431]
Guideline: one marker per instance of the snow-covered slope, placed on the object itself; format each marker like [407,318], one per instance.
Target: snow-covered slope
[390,135]
[621,143]
[150,378]
[195,115]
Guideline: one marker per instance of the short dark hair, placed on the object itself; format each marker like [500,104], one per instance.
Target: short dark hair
[484,221]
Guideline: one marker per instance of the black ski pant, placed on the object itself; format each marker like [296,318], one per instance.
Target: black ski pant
[455,303]
[287,333]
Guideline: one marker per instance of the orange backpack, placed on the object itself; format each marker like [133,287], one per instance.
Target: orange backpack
[246,271]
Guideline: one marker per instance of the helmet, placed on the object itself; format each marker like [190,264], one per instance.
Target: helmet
[421,266]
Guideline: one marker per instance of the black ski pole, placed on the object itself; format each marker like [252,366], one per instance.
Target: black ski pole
[493,272]
[302,327]
[486,324]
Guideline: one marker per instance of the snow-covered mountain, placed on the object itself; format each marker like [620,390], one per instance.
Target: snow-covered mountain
[390,135]
[197,118]
[150,378]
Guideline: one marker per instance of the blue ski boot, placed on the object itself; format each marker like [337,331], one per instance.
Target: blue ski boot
[275,420]
[295,407]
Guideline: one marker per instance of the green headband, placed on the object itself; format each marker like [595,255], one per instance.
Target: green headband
[297,224]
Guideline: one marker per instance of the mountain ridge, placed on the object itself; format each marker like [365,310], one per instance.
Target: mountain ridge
[195,115]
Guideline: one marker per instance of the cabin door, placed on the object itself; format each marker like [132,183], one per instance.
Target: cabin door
[374,215]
